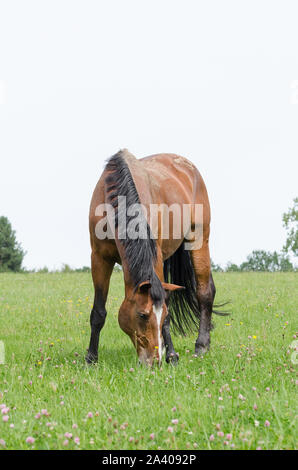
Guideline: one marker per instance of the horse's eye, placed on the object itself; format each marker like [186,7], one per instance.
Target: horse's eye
[143,316]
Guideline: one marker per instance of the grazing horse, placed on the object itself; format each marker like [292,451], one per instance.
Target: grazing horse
[164,281]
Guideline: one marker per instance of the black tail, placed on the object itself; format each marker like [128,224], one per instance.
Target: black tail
[184,306]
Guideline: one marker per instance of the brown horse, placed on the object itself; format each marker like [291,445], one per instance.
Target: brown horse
[151,260]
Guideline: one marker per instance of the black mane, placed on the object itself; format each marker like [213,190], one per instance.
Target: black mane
[140,254]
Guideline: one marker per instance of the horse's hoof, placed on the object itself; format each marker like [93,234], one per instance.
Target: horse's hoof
[173,359]
[90,358]
[201,350]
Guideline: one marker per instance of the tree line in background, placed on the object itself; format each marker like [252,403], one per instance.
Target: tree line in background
[12,254]
[259,260]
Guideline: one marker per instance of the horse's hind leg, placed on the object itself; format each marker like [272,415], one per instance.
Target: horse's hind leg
[101,273]
[206,293]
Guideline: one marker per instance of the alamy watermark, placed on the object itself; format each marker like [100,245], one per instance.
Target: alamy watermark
[176,221]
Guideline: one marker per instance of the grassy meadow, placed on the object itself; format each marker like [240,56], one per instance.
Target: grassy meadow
[242,395]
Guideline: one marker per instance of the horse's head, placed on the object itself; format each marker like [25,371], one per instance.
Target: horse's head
[142,315]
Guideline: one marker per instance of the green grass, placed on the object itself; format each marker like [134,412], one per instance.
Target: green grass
[45,328]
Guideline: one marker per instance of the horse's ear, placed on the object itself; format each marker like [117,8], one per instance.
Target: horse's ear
[171,287]
[143,287]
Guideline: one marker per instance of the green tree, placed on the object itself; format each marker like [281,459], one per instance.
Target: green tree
[216,267]
[11,252]
[232,267]
[290,222]
[66,268]
[260,260]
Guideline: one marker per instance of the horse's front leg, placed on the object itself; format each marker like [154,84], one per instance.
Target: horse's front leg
[171,355]
[101,274]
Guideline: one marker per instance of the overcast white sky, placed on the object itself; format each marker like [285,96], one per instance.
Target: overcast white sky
[213,81]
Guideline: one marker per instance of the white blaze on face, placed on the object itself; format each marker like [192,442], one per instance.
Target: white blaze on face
[158,314]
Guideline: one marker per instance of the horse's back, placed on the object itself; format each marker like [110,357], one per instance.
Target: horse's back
[159,179]
[175,179]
